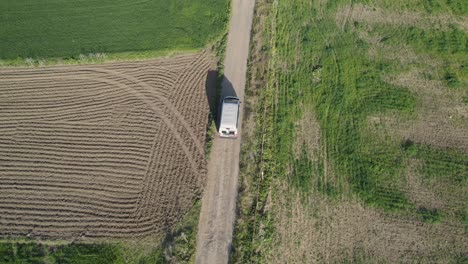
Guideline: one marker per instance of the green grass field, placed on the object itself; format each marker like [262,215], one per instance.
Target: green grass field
[38,253]
[324,57]
[31,252]
[60,28]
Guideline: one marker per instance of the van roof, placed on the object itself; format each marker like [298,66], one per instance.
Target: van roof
[229,113]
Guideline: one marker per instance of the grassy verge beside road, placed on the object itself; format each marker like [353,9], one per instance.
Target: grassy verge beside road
[344,123]
[95,58]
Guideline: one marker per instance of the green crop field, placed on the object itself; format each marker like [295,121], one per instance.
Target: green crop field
[61,28]
[360,132]
[74,253]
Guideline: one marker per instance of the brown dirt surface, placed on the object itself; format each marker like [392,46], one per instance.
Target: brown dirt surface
[102,151]
[218,212]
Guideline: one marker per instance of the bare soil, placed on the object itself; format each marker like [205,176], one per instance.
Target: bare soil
[102,151]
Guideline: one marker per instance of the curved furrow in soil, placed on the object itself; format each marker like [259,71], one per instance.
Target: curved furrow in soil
[188,89]
[88,197]
[111,150]
[165,101]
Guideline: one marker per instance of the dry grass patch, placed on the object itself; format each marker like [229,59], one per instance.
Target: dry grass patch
[442,120]
[418,192]
[308,136]
[376,15]
[441,195]
[402,54]
[318,230]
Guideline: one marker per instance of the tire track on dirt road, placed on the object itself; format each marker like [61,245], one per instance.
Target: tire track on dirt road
[218,214]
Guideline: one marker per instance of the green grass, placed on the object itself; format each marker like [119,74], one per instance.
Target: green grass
[31,252]
[178,246]
[93,58]
[450,46]
[445,165]
[430,215]
[58,28]
[314,62]
[462,216]
[350,89]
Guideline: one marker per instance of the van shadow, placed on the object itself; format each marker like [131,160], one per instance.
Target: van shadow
[217,87]
[211,89]
[227,88]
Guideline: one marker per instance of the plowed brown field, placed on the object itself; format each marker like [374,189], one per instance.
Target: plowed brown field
[113,150]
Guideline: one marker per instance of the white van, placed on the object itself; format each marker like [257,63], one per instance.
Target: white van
[229,117]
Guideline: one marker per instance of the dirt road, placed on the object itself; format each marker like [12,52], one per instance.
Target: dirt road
[219,199]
